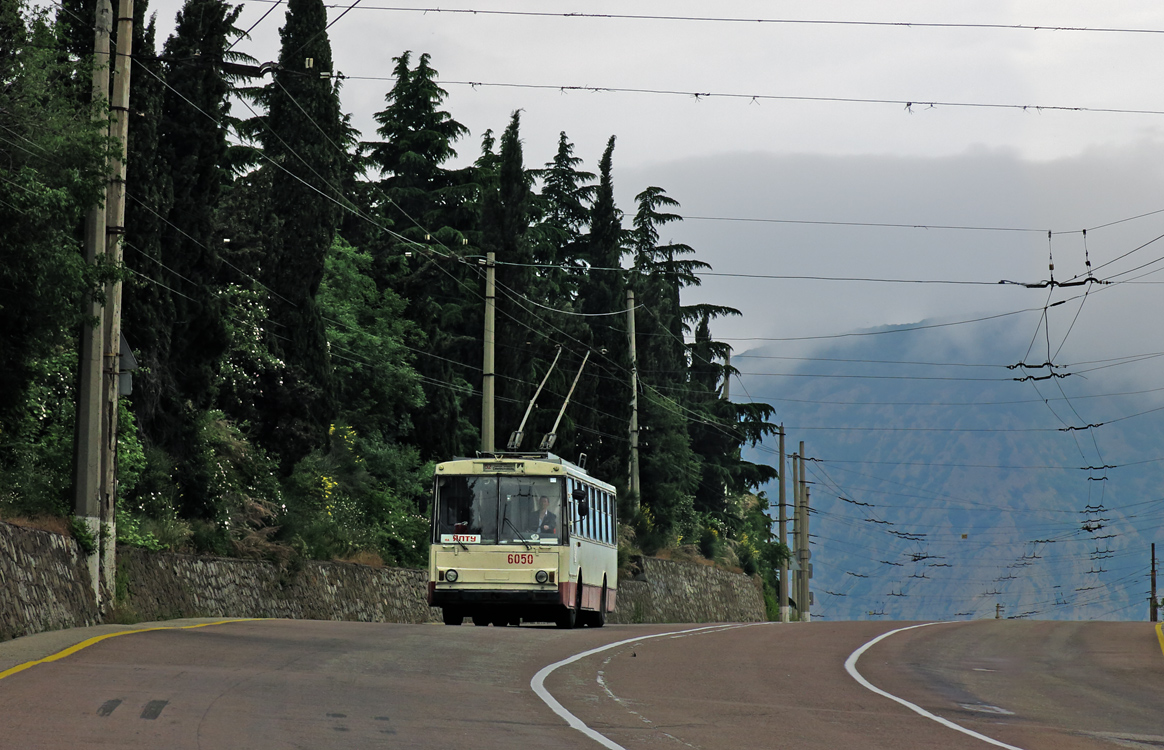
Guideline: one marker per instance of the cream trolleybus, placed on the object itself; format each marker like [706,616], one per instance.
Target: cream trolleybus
[522,537]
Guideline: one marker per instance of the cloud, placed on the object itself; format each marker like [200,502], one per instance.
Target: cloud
[980,188]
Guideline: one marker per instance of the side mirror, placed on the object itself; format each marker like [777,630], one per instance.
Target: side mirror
[582,498]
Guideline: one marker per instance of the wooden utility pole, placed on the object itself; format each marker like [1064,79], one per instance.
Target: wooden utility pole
[634,422]
[783,527]
[488,373]
[88,492]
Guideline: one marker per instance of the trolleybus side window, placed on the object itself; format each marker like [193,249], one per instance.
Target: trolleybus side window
[608,517]
[588,520]
[575,528]
[468,509]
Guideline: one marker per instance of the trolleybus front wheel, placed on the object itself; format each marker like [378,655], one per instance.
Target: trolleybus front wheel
[567,618]
[452,616]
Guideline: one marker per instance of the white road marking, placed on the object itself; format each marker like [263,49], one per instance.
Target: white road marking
[539,679]
[851,668]
[985,708]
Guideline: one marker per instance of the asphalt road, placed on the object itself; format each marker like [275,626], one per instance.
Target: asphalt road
[309,684]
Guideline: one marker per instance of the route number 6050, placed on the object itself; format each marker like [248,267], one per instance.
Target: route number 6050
[521,559]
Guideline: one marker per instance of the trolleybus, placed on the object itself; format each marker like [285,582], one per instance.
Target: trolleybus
[522,537]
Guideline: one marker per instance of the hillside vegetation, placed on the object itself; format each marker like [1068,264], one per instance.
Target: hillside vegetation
[306,303]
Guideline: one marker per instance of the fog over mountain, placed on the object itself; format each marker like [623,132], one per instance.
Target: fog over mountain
[890,350]
[941,490]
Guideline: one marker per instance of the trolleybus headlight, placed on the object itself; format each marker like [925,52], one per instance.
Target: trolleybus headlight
[451,576]
[541,576]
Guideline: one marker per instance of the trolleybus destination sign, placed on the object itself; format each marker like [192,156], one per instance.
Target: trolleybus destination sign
[463,538]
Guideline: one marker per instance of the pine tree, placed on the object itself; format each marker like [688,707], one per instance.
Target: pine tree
[425,203]
[666,455]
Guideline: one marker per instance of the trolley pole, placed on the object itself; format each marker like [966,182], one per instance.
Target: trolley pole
[488,372]
[634,422]
[783,527]
[1154,607]
[87,475]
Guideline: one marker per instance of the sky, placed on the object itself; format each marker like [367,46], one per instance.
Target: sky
[848,166]
[821,161]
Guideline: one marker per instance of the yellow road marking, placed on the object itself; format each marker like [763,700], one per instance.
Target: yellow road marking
[97,639]
[1160,634]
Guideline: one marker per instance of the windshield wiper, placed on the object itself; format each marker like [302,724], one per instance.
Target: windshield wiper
[506,520]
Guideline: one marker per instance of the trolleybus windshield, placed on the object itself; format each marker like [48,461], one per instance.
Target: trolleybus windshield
[499,510]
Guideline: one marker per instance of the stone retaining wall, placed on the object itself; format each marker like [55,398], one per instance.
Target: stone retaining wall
[44,585]
[670,591]
[162,586]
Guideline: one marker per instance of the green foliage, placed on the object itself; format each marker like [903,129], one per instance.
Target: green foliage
[130,531]
[337,507]
[37,454]
[302,368]
[83,535]
[49,177]
[759,549]
[370,340]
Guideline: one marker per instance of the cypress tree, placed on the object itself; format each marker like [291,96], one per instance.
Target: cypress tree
[604,397]
[304,135]
[507,206]
[147,306]
[183,168]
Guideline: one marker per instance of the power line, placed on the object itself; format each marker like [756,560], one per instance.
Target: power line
[757,21]
[908,105]
[957,227]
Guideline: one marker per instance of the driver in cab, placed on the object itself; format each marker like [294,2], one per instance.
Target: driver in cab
[546,522]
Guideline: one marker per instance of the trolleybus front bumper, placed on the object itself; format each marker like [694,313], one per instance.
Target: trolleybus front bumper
[442,597]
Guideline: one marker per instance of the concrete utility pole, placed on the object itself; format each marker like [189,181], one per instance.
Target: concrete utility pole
[807,564]
[488,373]
[795,592]
[115,233]
[802,552]
[1153,608]
[634,423]
[88,492]
[998,611]
[784,613]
